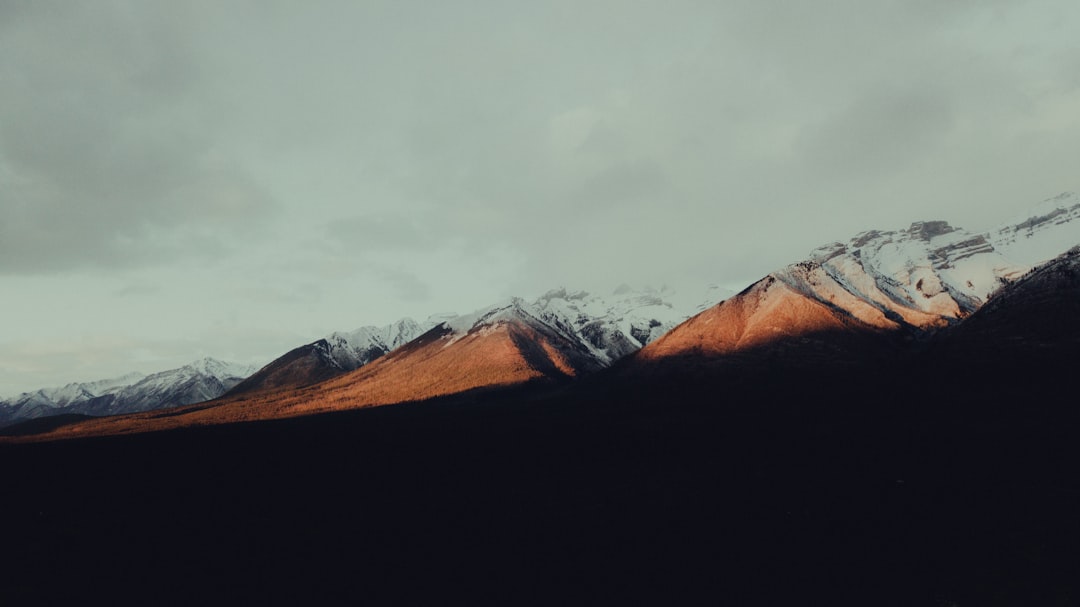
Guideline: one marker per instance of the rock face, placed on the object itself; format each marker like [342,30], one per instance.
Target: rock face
[925,276]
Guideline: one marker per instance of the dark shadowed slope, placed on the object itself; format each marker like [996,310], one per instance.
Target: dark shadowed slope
[336,354]
[1038,315]
[303,366]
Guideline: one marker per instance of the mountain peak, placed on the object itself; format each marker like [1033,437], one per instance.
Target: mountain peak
[928,230]
[212,367]
[508,309]
[562,293]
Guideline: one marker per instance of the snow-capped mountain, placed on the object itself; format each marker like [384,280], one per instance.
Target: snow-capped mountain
[608,328]
[611,327]
[908,282]
[335,354]
[199,381]
[357,348]
[924,276]
[560,335]
[502,345]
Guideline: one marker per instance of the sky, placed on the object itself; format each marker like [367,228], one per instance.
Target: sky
[234,179]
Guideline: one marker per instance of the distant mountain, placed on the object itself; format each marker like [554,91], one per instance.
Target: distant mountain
[52,401]
[505,345]
[199,381]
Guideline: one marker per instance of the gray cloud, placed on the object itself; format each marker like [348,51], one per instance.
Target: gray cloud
[407,286]
[106,156]
[138,289]
[883,130]
[381,232]
[350,161]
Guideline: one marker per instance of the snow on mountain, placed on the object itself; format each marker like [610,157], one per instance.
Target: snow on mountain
[919,276]
[1044,231]
[611,327]
[932,274]
[335,354]
[920,279]
[546,342]
[500,346]
[357,348]
[607,328]
[201,380]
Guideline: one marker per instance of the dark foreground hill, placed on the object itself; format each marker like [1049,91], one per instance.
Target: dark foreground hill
[767,495]
[902,480]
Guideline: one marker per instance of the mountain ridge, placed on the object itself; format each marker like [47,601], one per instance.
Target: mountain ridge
[201,380]
[844,301]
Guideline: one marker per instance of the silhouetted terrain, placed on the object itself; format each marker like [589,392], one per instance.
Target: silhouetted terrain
[767,492]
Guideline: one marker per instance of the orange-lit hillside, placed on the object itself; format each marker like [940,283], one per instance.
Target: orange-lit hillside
[507,350]
[799,305]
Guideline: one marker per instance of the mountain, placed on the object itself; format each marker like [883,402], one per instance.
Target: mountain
[613,326]
[202,380]
[864,297]
[903,284]
[505,345]
[333,355]
[502,345]
[608,327]
[52,401]
[880,293]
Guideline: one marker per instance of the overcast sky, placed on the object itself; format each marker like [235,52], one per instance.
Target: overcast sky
[233,179]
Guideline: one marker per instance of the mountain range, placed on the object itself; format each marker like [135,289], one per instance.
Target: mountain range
[879,293]
[195,382]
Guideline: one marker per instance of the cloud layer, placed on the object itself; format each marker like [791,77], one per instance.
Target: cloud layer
[325,166]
